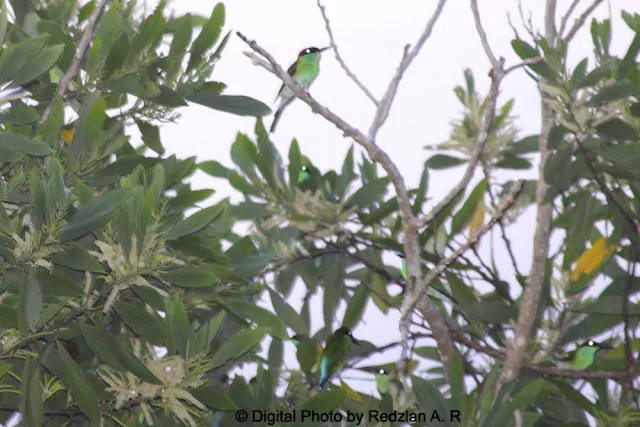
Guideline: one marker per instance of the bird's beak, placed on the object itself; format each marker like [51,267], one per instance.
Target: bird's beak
[606,346]
[356,342]
[325,48]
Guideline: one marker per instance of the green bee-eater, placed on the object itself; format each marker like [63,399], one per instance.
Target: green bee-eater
[304,71]
[334,354]
[582,357]
[435,291]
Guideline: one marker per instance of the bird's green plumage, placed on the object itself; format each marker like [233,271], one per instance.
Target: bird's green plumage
[582,357]
[334,354]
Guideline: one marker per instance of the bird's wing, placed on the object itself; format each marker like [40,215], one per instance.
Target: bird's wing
[291,71]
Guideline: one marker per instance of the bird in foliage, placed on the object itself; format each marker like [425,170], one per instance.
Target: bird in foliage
[582,357]
[304,71]
[334,354]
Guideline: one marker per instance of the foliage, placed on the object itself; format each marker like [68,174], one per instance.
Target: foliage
[100,266]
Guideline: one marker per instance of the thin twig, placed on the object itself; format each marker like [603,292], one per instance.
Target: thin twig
[567,15]
[87,35]
[408,56]
[482,34]
[524,63]
[628,351]
[578,23]
[346,69]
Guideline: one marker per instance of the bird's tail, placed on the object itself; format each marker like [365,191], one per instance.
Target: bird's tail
[13,94]
[323,383]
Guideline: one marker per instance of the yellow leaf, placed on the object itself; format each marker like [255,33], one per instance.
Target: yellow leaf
[351,393]
[478,218]
[591,258]
[66,134]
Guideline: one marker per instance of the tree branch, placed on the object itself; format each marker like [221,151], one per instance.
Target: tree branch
[410,241]
[578,23]
[567,15]
[483,34]
[408,56]
[408,304]
[533,289]
[87,35]
[346,69]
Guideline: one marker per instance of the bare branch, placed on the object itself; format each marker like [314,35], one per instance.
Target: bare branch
[578,23]
[524,63]
[483,34]
[408,56]
[409,303]
[533,289]
[410,242]
[87,35]
[346,69]
[567,15]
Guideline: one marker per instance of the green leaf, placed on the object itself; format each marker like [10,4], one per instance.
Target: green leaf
[177,324]
[523,398]
[513,162]
[77,257]
[117,56]
[579,72]
[238,105]
[97,212]
[295,163]
[149,36]
[207,332]
[492,311]
[526,51]
[30,304]
[39,65]
[629,61]
[179,45]
[14,58]
[429,398]
[112,352]
[237,345]
[80,388]
[19,144]
[595,76]
[356,306]
[31,394]
[443,161]
[464,215]
[324,402]
[88,126]
[456,380]
[557,162]
[208,36]
[367,193]
[581,223]
[615,92]
[288,314]
[151,136]
[618,129]
[5,368]
[195,222]
[144,324]
[528,144]
[386,209]
[190,277]
[213,168]
[260,316]
[421,192]
[57,35]
[212,399]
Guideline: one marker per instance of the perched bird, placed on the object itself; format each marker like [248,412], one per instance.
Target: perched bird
[436,291]
[304,71]
[582,357]
[334,354]
[13,94]
[308,352]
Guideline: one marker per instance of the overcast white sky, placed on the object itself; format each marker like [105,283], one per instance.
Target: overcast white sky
[371,35]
